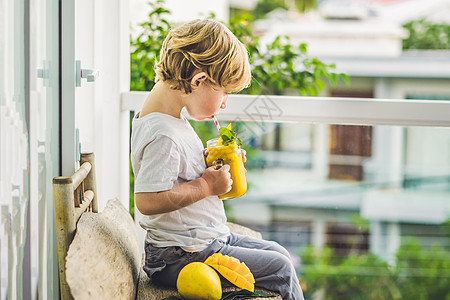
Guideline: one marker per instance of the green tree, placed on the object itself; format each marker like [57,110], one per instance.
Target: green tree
[350,277]
[419,273]
[446,229]
[422,274]
[305,5]
[279,66]
[263,7]
[424,35]
[145,49]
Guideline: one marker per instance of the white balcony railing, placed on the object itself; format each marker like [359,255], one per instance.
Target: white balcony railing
[328,110]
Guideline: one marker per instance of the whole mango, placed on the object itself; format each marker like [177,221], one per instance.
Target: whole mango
[198,281]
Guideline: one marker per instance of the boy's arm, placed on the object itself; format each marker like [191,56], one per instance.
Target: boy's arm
[212,182]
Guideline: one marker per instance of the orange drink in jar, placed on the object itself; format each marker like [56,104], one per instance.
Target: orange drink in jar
[228,154]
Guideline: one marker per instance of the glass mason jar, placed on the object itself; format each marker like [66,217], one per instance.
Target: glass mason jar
[228,155]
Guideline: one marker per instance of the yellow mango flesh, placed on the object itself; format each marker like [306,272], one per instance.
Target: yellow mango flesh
[233,270]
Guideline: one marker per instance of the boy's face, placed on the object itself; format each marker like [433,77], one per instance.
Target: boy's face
[206,101]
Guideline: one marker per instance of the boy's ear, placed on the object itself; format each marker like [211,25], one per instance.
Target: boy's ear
[198,78]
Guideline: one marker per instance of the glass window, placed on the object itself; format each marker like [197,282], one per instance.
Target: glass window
[29,152]
[14,170]
[45,152]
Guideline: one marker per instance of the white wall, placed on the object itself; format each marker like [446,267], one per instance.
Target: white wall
[401,12]
[102,43]
[334,38]
[112,58]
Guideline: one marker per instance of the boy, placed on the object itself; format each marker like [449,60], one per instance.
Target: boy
[201,63]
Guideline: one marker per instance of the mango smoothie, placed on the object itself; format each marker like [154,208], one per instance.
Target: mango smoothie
[228,154]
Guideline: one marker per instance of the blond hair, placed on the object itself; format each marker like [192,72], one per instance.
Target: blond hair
[208,46]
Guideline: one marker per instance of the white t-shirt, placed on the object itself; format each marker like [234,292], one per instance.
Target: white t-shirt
[165,151]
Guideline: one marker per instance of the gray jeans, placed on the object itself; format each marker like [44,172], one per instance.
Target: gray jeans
[268,261]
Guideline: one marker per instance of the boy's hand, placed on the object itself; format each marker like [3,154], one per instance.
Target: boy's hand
[244,155]
[219,181]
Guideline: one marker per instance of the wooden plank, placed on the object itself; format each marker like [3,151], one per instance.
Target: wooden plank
[65,226]
[90,181]
[88,197]
[81,174]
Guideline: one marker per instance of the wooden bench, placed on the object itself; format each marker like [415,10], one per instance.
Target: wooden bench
[98,253]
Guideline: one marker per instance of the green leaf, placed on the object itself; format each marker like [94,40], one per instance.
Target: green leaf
[303,48]
[319,83]
[228,136]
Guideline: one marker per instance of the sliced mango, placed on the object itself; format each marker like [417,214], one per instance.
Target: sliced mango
[233,270]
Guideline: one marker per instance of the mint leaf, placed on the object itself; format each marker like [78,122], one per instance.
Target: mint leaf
[228,136]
